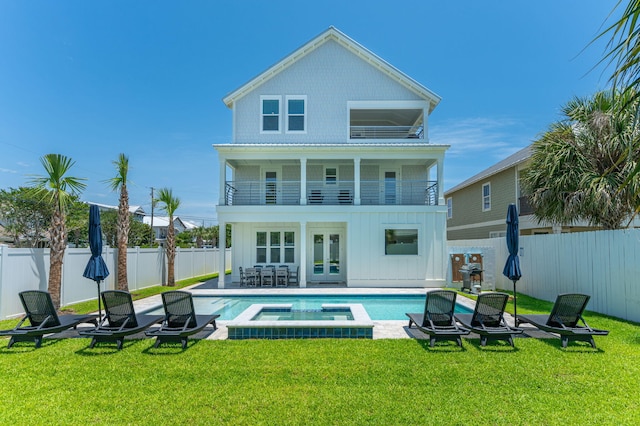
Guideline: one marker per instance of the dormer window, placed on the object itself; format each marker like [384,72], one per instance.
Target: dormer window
[270,106]
[296,114]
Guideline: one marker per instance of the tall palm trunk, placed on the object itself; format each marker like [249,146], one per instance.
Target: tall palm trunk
[171,254]
[56,253]
[123,238]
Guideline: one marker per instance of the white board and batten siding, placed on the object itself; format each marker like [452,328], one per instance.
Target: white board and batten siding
[602,264]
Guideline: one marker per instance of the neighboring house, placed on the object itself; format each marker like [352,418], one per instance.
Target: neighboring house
[331,171]
[161,226]
[137,211]
[477,207]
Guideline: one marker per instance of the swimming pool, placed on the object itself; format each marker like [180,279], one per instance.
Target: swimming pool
[379,307]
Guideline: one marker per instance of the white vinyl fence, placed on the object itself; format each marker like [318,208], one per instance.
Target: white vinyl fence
[603,264]
[28,269]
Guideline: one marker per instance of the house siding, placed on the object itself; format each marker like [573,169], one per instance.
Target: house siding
[330,76]
[467,206]
[367,263]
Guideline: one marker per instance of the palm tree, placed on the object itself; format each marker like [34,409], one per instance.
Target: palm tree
[119,182]
[579,167]
[58,190]
[624,48]
[623,53]
[169,204]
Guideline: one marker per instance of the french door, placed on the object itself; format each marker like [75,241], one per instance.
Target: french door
[327,256]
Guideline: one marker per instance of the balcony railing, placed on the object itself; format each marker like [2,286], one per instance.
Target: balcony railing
[372,192]
[387,132]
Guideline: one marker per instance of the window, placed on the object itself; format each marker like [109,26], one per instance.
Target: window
[275,247]
[270,110]
[296,114]
[330,175]
[400,241]
[449,208]
[486,197]
[289,247]
[261,247]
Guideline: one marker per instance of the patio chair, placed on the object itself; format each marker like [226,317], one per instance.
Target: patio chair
[488,320]
[316,197]
[282,276]
[294,277]
[437,319]
[252,277]
[243,278]
[266,277]
[42,319]
[564,318]
[120,319]
[180,319]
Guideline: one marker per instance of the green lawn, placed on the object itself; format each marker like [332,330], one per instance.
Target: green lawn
[327,382]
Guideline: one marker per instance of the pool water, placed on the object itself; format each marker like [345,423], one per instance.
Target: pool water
[379,307]
[270,314]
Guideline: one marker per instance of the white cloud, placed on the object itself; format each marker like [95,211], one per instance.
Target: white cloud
[472,136]
[7,170]
[477,143]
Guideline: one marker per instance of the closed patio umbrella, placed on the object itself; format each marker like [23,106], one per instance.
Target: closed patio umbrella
[512,266]
[96,269]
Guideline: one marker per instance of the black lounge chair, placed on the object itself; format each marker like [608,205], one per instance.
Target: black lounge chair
[564,318]
[437,320]
[180,320]
[120,319]
[43,319]
[487,319]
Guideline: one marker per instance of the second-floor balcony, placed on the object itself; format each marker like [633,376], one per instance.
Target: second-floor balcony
[371,192]
[386,132]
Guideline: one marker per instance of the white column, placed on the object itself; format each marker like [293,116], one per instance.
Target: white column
[441,181]
[222,249]
[303,254]
[356,181]
[303,181]
[222,180]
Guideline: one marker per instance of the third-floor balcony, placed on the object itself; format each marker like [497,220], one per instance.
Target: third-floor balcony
[371,192]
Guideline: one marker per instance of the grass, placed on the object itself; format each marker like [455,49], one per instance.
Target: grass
[329,381]
[92,305]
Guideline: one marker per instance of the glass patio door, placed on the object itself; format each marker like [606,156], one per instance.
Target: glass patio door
[389,188]
[327,264]
[271,188]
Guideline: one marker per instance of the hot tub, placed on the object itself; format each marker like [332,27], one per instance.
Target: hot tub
[270,321]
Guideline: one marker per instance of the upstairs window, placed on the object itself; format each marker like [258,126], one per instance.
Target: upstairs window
[270,108]
[330,175]
[486,197]
[296,114]
[449,208]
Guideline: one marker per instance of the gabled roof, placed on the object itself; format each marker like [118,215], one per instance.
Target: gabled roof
[163,221]
[132,209]
[511,161]
[334,34]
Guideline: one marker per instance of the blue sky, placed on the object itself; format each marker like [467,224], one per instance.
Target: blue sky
[92,79]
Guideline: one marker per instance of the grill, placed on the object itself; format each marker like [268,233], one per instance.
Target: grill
[470,272]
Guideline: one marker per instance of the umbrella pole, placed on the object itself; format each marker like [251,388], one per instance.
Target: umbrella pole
[99,304]
[515,305]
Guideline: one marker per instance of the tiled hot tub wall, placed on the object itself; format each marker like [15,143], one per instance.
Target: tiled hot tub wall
[243,327]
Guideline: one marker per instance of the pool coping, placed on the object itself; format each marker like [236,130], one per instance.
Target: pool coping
[245,319]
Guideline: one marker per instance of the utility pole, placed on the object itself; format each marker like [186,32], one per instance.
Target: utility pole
[152,205]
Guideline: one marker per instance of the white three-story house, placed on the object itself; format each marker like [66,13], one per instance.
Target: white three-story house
[330,171]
